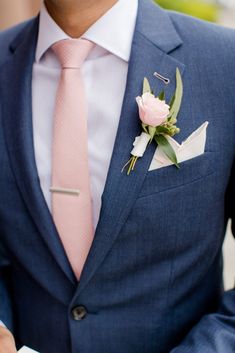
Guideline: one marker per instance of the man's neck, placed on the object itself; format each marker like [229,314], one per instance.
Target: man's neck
[75,17]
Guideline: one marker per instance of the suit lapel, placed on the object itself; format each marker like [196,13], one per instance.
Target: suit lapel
[16,93]
[154,37]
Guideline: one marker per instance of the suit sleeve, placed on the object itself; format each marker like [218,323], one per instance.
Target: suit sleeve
[5,301]
[215,333]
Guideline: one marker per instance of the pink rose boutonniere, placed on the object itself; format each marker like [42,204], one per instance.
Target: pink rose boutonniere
[158,121]
[152,111]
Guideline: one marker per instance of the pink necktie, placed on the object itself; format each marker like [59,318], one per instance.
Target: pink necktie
[71,196]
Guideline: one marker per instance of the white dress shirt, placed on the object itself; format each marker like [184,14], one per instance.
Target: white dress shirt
[104,74]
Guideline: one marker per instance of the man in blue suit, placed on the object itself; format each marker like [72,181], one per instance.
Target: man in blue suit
[152,281]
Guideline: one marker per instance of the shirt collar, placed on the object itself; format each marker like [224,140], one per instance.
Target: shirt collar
[113,31]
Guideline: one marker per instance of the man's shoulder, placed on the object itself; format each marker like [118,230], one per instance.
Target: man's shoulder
[206,45]
[202,33]
[8,36]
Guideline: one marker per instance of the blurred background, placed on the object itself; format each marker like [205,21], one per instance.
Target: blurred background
[219,11]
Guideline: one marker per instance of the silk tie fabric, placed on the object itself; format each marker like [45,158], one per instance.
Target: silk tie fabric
[71,196]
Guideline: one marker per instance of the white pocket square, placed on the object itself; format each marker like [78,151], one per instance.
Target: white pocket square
[26,350]
[192,147]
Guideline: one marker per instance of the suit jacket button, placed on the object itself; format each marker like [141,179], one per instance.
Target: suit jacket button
[79,313]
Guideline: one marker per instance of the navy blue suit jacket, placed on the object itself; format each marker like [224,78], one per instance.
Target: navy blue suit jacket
[152,282]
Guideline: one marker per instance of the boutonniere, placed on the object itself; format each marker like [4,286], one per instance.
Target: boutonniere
[158,121]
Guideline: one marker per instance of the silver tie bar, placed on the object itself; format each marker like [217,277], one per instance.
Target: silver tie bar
[74,192]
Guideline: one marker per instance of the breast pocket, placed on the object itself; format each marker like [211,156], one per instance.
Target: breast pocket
[171,177]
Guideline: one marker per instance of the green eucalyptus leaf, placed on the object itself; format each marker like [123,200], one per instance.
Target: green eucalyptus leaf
[177,98]
[146,86]
[166,148]
[145,128]
[162,130]
[162,96]
[172,101]
[151,131]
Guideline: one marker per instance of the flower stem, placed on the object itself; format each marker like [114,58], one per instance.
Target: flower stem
[135,160]
[127,163]
[131,165]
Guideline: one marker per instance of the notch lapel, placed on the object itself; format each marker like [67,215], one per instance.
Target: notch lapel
[154,37]
[16,96]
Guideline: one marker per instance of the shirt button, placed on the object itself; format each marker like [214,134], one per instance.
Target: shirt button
[79,313]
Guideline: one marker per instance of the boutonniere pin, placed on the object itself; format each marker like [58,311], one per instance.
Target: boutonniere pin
[158,121]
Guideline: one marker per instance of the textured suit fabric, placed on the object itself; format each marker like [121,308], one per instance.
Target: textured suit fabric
[152,282]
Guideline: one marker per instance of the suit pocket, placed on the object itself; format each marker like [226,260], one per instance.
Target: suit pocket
[170,177]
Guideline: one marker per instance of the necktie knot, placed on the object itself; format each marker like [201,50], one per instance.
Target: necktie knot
[72,52]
